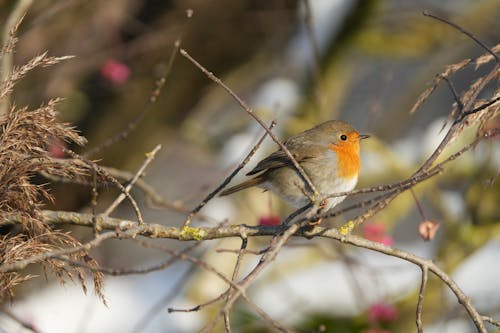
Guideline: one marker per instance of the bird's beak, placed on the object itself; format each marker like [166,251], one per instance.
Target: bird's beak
[363,136]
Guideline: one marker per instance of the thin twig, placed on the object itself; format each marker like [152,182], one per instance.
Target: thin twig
[423,285]
[295,214]
[149,158]
[485,80]
[237,251]
[155,200]
[128,271]
[481,107]
[382,188]
[239,258]
[419,206]
[200,306]
[456,97]
[106,175]
[465,32]
[491,321]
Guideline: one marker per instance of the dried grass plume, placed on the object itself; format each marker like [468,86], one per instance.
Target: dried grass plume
[25,136]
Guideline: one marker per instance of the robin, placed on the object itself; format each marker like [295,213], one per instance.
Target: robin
[329,155]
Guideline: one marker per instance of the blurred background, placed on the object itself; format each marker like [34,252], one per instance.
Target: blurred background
[300,63]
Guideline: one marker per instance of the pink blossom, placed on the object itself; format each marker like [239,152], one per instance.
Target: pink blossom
[383,312]
[377,232]
[270,220]
[115,71]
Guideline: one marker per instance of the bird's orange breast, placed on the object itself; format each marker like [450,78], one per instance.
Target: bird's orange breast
[348,161]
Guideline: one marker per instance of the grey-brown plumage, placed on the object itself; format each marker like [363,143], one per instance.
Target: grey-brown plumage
[320,151]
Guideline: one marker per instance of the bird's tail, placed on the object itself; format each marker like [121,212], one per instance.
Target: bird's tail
[246,184]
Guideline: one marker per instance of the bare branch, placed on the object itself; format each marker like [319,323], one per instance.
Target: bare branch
[107,176]
[149,158]
[465,32]
[491,321]
[239,258]
[200,306]
[423,285]
[482,107]
[130,228]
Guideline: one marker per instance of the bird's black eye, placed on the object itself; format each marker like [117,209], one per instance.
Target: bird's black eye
[343,137]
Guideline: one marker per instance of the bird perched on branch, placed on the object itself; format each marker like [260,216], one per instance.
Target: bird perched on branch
[329,155]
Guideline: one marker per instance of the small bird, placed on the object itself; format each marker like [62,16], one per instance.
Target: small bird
[328,153]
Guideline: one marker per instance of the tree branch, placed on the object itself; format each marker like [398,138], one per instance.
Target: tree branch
[131,228]
[423,285]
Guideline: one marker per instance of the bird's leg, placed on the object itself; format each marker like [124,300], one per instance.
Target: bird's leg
[321,206]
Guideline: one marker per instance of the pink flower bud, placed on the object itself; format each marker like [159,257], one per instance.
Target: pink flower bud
[115,71]
[376,232]
[383,312]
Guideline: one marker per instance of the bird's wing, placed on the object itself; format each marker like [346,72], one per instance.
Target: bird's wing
[279,158]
